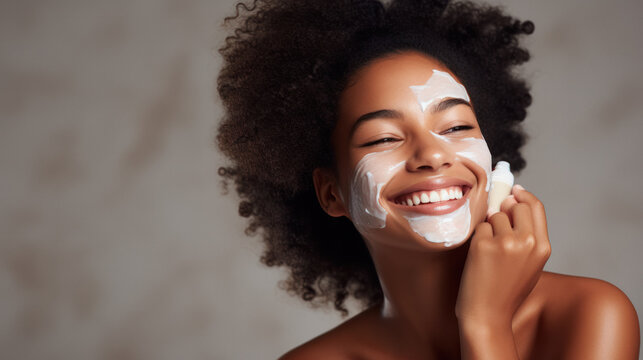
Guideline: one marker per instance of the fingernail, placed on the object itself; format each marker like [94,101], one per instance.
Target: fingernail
[519,187]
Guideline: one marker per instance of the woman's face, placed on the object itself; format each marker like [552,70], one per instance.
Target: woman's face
[412,166]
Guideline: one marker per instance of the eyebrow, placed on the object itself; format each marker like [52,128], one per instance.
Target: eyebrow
[379,114]
[394,114]
[448,103]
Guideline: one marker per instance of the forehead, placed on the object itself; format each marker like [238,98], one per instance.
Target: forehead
[385,84]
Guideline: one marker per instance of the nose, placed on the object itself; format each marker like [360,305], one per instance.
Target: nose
[430,153]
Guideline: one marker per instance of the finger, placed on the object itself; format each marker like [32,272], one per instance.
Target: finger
[522,219]
[537,211]
[506,206]
[500,224]
[508,203]
[483,230]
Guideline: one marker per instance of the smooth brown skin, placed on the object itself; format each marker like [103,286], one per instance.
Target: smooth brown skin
[485,299]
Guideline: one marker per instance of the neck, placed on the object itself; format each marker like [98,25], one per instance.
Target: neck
[421,290]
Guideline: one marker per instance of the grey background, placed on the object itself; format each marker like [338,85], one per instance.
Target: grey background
[116,241]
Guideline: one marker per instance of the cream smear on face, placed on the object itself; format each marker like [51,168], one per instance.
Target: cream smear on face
[376,169]
[448,229]
[371,173]
[473,149]
[440,85]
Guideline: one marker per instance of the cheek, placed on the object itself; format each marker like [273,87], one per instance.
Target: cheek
[477,151]
[473,149]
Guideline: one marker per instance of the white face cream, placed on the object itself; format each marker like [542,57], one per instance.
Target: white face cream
[448,229]
[376,169]
[473,149]
[371,173]
[440,85]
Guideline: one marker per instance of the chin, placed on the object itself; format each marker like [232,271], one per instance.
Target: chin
[398,233]
[434,229]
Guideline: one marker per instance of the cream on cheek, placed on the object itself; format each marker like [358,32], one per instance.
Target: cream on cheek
[371,173]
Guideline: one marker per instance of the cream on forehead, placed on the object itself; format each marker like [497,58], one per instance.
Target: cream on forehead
[440,85]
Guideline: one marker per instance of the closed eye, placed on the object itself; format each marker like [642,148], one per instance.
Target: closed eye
[458,128]
[379,141]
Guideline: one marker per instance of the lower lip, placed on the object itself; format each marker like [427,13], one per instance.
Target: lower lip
[434,209]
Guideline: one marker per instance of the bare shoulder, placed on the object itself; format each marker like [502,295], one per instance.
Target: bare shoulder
[594,318]
[325,346]
[582,294]
[316,349]
[349,340]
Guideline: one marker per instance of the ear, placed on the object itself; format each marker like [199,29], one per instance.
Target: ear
[328,192]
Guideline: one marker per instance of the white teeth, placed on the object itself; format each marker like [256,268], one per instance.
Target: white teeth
[453,192]
[444,195]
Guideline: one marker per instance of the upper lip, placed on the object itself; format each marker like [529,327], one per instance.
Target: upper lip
[433,184]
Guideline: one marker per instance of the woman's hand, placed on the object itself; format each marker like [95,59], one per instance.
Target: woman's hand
[506,256]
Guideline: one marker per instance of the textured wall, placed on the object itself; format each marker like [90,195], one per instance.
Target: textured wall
[115,239]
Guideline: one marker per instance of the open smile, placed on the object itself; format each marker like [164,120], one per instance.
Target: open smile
[436,197]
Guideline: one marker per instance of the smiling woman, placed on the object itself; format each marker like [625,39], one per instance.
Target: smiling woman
[387,147]
[397,113]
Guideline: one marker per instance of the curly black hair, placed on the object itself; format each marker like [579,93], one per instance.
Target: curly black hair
[285,65]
